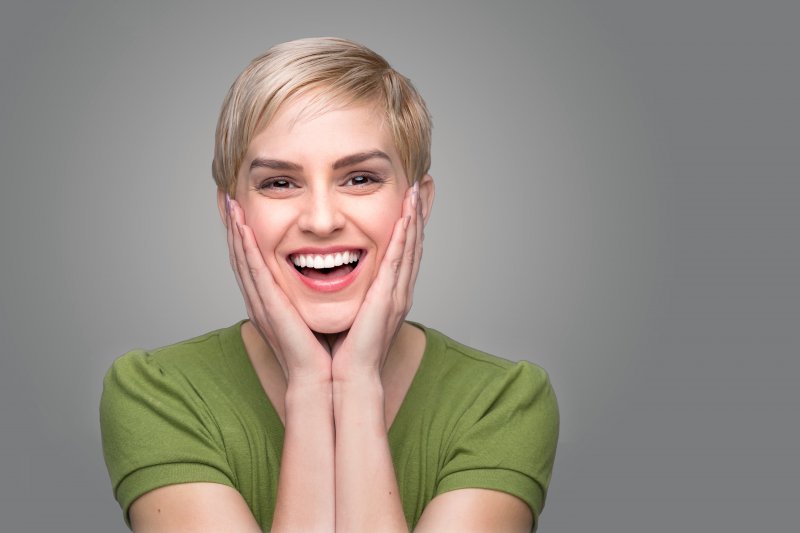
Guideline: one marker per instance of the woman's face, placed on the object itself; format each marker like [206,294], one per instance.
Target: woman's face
[322,194]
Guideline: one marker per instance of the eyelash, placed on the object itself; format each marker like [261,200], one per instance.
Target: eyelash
[272,183]
[372,178]
[269,184]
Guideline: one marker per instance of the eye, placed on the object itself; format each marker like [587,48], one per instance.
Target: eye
[276,184]
[363,179]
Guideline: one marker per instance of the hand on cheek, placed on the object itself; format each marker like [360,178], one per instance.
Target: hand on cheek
[298,350]
[363,350]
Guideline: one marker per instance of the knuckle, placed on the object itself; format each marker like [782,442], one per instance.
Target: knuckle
[395,264]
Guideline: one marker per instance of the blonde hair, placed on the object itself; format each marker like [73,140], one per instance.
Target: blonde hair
[336,71]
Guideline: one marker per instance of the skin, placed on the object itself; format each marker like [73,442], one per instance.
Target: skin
[340,360]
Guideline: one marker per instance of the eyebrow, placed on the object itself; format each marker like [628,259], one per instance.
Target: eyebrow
[275,164]
[346,161]
[354,159]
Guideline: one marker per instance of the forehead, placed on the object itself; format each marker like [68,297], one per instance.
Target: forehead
[303,128]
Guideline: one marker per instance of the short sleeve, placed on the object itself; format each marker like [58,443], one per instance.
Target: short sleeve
[506,441]
[156,431]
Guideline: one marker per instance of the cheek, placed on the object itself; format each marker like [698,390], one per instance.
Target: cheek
[268,226]
[381,220]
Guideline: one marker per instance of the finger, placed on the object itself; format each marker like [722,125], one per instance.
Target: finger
[232,235]
[418,249]
[386,279]
[409,250]
[257,269]
[251,296]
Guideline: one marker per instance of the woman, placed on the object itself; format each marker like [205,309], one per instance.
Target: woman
[326,410]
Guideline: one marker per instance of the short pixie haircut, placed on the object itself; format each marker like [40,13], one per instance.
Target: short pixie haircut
[338,72]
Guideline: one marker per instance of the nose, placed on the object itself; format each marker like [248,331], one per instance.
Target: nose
[321,213]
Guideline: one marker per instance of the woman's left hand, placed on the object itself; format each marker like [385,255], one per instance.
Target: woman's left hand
[363,349]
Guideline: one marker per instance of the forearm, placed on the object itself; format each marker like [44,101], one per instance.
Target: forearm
[367,495]
[305,500]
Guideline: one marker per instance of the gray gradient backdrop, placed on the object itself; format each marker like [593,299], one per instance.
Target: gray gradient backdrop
[618,196]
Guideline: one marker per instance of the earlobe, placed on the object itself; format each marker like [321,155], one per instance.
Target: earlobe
[427,191]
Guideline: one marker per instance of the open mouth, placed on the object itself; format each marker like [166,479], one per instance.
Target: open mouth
[326,266]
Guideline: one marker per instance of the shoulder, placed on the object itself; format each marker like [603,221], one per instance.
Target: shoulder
[161,382]
[169,386]
[487,396]
[174,355]
[187,360]
[464,366]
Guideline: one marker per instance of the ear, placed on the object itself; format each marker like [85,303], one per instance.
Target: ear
[427,191]
[222,205]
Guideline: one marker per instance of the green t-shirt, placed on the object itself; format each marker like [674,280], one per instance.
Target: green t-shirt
[196,411]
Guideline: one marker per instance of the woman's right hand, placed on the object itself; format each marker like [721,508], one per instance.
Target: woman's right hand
[300,353]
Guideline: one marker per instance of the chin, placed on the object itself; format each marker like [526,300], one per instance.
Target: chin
[329,319]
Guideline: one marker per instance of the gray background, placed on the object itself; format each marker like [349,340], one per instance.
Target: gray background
[618,195]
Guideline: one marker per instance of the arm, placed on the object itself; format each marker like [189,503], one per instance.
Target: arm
[305,485]
[192,507]
[475,510]
[367,495]
[305,499]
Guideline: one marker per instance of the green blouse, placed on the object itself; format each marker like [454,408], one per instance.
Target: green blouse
[196,411]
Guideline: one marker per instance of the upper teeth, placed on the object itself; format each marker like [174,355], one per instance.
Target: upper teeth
[325,261]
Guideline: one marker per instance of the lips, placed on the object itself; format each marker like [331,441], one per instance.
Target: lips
[328,270]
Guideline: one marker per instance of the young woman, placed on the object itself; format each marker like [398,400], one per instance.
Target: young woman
[326,410]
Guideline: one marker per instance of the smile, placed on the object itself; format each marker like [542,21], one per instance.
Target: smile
[326,261]
[327,272]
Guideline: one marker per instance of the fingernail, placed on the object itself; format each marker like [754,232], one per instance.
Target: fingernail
[406,220]
[414,194]
[227,204]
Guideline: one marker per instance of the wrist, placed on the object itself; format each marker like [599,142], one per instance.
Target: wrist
[357,376]
[310,377]
[359,399]
[308,392]
[345,371]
